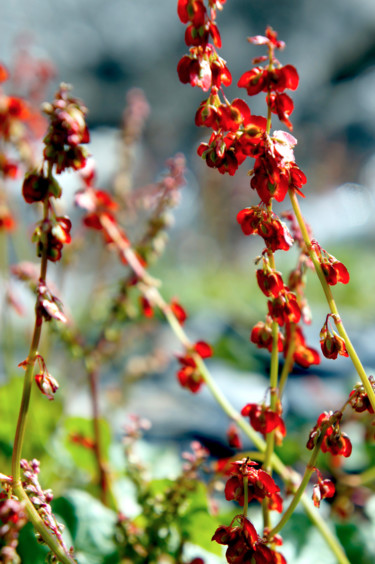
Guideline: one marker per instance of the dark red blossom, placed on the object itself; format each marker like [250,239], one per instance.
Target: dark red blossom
[48,306]
[254,81]
[284,308]
[189,375]
[264,419]
[244,544]
[7,221]
[277,80]
[36,187]
[221,152]
[333,270]
[51,235]
[261,335]
[331,343]
[259,483]
[358,397]
[302,354]
[66,132]
[178,311]
[233,437]
[334,440]
[258,221]
[282,105]
[322,490]
[146,307]
[270,282]
[203,68]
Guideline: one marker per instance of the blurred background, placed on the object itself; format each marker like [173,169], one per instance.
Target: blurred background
[105,49]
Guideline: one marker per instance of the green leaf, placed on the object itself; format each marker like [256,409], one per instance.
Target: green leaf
[92,526]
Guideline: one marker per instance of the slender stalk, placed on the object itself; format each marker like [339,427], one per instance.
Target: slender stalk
[331,302]
[246,495]
[289,361]
[102,471]
[17,487]
[25,402]
[310,468]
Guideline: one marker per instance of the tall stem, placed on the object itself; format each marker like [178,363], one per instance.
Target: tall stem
[331,302]
[25,402]
[102,471]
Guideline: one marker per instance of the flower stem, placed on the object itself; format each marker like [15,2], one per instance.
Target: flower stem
[310,468]
[331,302]
[23,413]
[102,471]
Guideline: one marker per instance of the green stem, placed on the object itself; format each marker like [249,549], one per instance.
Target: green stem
[246,495]
[331,302]
[23,413]
[289,361]
[310,468]
[17,487]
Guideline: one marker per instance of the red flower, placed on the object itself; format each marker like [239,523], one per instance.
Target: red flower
[303,355]
[334,440]
[255,221]
[221,153]
[178,311]
[333,270]
[282,105]
[48,306]
[189,375]
[322,490]
[36,187]
[359,399]
[260,484]
[270,282]
[146,307]
[284,308]
[233,436]
[263,419]
[254,80]
[244,544]
[203,68]
[331,343]
[52,235]
[261,336]
[7,221]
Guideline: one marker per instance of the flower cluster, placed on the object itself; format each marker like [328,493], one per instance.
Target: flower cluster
[331,343]
[334,270]
[259,485]
[43,379]
[189,375]
[12,519]
[358,397]
[41,500]
[66,132]
[244,544]
[202,67]
[323,489]
[328,433]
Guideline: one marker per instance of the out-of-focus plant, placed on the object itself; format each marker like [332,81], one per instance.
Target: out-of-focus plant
[125,229]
